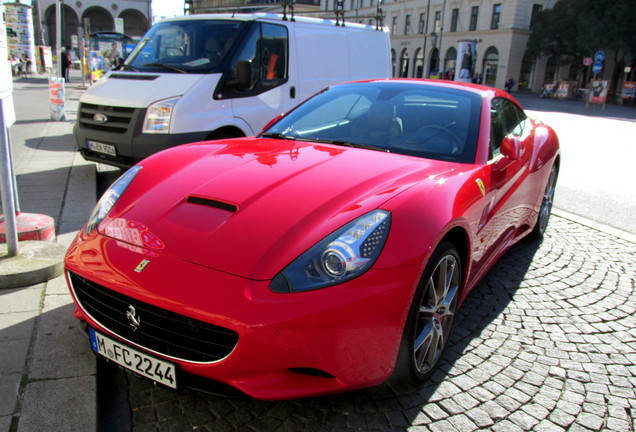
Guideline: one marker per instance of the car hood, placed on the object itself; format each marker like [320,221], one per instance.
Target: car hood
[139,90]
[251,206]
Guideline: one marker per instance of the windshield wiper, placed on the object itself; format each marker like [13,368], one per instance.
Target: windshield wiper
[166,66]
[344,143]
[277,136]
[126,67]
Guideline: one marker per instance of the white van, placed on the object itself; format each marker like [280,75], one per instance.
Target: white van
[202,77]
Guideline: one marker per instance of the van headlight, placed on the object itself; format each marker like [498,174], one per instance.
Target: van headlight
[110,197]
[345,254]
[157,119]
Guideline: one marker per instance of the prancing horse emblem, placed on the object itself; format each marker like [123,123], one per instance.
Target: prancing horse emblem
[140,267]
[133,318]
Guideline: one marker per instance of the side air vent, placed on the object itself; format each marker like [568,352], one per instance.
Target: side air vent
[133,76]
[213,203]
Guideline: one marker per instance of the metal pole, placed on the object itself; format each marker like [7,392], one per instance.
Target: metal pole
[58,36]
[6,188]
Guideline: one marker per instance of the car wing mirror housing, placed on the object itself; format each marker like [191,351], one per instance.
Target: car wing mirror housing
[511,147]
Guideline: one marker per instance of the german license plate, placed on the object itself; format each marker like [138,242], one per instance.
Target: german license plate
[139,362]
[101,148]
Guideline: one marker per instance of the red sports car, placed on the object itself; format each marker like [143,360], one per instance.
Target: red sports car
[329,253]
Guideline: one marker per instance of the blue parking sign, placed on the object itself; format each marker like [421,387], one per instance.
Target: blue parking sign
[599,56]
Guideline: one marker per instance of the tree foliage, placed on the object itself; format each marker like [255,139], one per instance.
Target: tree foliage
[574,29]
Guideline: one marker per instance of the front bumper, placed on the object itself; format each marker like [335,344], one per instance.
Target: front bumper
[289,345]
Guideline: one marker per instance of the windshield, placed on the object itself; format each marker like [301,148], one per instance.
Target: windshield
[193,46]
[397,117]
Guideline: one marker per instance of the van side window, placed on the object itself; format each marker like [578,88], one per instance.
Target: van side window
[267,50]
[274,53]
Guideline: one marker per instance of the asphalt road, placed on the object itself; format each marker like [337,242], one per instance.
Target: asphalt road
[597,179]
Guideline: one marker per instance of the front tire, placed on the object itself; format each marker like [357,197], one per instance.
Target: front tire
[431,316]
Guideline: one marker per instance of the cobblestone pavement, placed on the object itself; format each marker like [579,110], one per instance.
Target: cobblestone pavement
[546,342]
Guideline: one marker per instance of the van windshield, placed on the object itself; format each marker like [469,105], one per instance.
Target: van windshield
[189,46]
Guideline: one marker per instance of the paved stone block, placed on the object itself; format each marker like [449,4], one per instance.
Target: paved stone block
[59,405]
[61,350]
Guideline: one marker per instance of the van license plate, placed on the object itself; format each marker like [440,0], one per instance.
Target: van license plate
[101,148]
[139,362]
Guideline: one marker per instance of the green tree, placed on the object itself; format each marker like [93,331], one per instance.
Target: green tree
[574,29]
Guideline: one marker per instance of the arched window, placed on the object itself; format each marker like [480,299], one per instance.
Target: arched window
[433,65]
[551,70]
[491,64]
[404,64]
[418,68]
[450,63]
[393,61]
[526,77]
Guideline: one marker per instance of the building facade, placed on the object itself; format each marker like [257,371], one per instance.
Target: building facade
[247,6]
[426,36]
[88,16]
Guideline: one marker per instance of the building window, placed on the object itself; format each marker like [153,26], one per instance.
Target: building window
[407,25]
[454,19]
[394,25]
[496,15]
[536,9]
[421,27]
[474,13]
[438,22]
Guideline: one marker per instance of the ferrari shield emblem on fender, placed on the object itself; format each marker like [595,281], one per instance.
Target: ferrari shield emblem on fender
[142,265]
[482,188]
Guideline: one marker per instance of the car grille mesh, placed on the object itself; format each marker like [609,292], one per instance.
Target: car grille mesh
[162,331]
[118,118]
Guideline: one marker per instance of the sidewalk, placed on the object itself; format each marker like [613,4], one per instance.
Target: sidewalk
[47,372]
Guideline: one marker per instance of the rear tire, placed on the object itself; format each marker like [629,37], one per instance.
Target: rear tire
[546,206]
[431,316]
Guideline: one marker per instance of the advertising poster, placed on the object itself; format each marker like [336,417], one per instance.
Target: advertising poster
[598,93]
[563,90]
[629,90]
[466,53]
[96,63]
[56,98]
[6,81]
[20,35]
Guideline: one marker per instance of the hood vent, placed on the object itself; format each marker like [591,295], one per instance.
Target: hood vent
[213,203]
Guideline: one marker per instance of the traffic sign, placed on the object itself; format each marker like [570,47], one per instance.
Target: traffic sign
[599,56]
[587,61]
[597,67]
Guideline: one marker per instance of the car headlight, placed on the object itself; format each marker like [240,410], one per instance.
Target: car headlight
[342,256]
[110,197]
[157,119]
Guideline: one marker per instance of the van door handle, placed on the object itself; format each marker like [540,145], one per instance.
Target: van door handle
[292,92]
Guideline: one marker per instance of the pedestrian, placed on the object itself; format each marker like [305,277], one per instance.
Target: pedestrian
[66,63]
[510,83]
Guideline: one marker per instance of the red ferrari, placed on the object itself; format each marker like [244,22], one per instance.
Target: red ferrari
[329,253]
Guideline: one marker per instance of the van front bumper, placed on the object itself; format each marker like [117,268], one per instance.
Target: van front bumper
[128,150]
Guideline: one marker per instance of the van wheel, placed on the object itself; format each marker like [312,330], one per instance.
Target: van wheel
[431,316]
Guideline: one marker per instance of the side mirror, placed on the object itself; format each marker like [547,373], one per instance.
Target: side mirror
[242,75]
[511,147]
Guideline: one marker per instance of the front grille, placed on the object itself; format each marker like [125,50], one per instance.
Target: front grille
[162,331]
[119,118]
